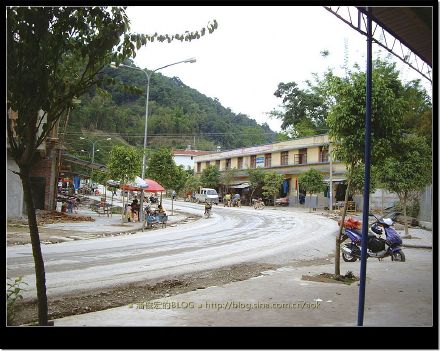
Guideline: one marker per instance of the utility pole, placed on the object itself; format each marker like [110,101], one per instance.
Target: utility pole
[331,178]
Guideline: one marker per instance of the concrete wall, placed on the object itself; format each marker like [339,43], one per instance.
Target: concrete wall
[379,200]
[14,191]
[425,200]
[184,160]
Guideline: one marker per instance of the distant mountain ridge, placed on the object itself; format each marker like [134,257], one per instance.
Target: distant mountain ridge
[178,115]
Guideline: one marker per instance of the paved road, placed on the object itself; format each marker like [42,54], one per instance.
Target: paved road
[230,236]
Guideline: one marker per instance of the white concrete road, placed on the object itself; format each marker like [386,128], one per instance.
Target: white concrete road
[230,236]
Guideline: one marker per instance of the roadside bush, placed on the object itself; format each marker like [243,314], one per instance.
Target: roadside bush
[13,293]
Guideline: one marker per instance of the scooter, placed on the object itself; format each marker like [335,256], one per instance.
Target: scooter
[377,247]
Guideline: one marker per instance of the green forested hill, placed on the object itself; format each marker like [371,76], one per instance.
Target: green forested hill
[178,116]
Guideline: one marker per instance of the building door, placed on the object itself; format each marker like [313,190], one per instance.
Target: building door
[340,192]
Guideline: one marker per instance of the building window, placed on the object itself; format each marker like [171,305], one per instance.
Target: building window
[228,163]
[323,154]
[199,167]
[217,164]
[253,161]
[267,160]
[240,163]
[301,157]
[192,157]
[284,158]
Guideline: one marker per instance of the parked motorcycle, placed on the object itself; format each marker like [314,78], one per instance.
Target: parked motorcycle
[377,246]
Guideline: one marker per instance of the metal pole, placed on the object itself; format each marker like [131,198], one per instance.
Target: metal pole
[365,209]
[191,60]
[331,179]
[93,152]
[141,210]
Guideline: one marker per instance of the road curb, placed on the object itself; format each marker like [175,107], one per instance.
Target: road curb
[417,246]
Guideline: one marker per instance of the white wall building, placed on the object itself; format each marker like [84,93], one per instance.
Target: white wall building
[186,157]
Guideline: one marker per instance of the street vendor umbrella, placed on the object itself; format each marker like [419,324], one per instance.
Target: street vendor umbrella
[153,186]
[132,187]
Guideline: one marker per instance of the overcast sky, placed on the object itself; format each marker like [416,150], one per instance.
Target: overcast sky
[253,49]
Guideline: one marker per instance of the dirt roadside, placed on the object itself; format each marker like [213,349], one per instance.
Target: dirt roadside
[144,291]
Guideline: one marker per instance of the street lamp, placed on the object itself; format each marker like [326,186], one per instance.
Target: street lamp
[93,146]
[190,60]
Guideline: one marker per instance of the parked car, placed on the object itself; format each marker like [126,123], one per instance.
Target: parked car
[207,194]
[282,201]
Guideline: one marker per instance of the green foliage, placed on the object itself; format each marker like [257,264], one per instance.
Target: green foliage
[228,176]
[256,179]
[272,184]
[410,169]
[162,168]
[417,118]
[192,184]
[125,163]
[312,181]
[13,293]
[346,119]
[357,179]
[210,177]
[178,115]
[100,177]
[180,178]
[304,111]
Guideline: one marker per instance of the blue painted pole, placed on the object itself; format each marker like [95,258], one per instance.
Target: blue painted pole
[366,204]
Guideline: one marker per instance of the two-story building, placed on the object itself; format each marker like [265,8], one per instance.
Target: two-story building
[290,158]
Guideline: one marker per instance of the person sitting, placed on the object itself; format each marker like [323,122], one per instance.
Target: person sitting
[135,209]
[128,213]
[160,209]
[208,206]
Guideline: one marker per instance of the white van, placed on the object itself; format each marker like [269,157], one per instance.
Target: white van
[207,194]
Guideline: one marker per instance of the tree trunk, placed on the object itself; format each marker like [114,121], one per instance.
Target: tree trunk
[40,274]
[405,218]
[310,202]
[274,198]
[339,236]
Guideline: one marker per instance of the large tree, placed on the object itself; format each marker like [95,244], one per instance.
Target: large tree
[304,110]
[346,121]
[408,170]
[54,55]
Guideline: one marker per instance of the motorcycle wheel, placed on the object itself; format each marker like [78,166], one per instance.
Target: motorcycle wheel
[398,256]
[348,258]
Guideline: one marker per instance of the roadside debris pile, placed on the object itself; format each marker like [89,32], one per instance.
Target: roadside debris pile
[50,217]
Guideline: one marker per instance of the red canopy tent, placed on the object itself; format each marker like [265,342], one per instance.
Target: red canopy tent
[153,187]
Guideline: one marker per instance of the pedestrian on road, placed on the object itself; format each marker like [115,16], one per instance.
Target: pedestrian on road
[70,206]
